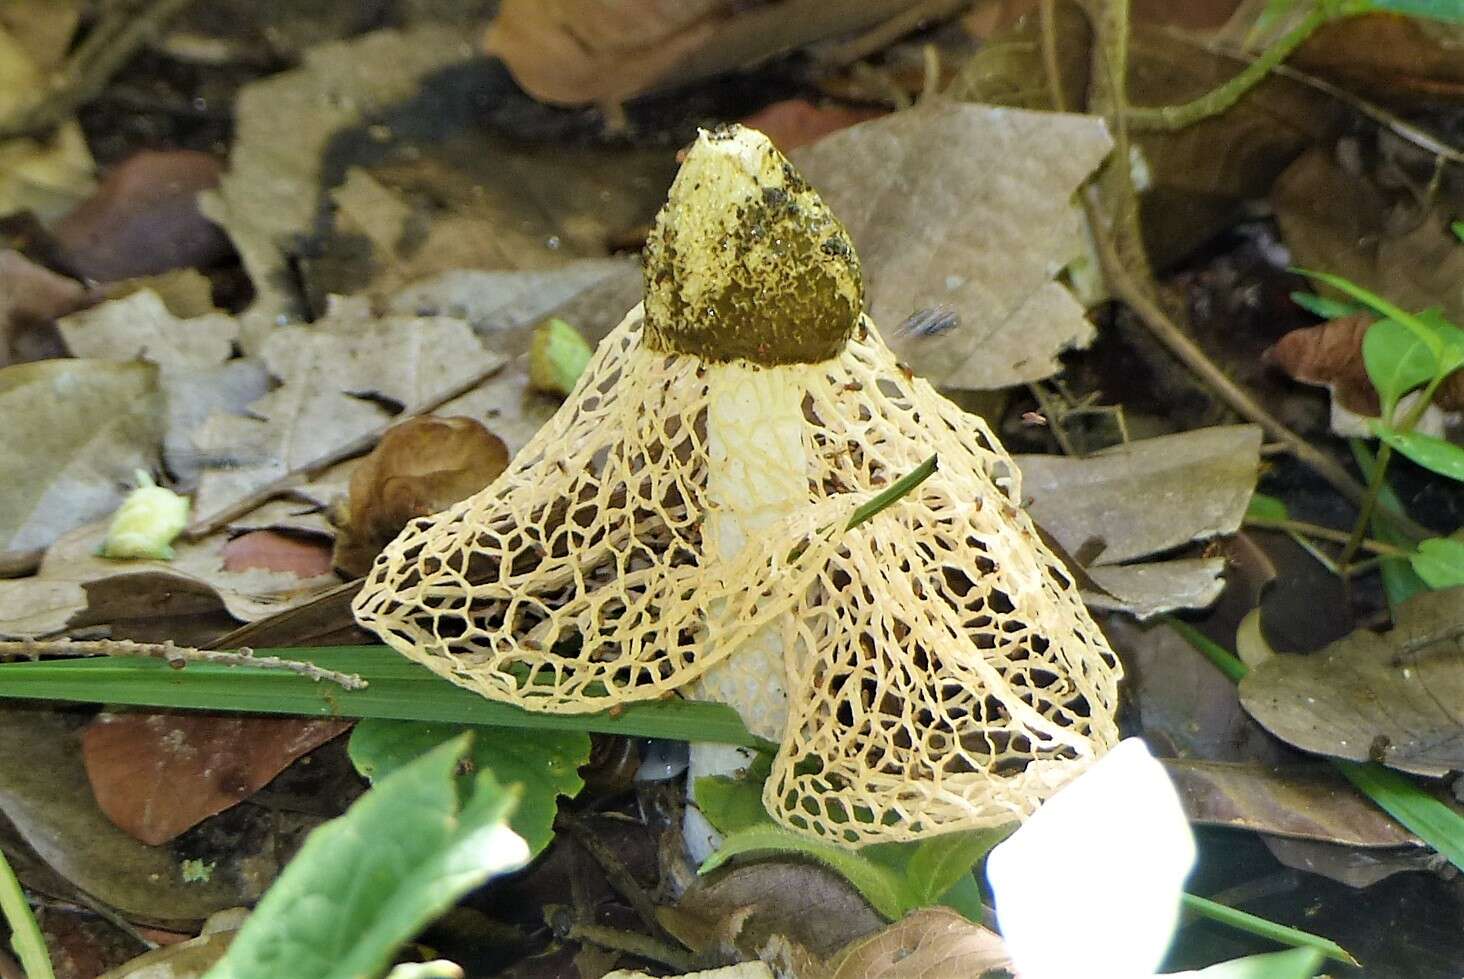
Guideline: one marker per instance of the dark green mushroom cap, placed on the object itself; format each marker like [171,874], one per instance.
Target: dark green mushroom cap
[746,262]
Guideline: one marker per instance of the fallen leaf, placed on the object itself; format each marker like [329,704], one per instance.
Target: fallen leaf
[43,174]
[1307,803]
[76,432]
[1394,58]
[143,218]
[59,594]
[575,52]
[271,550]
[186,293]
[190,959]
[1340,222]
[157,775]
[419,467]
[792,123]
[31,298]
[332,377]
[44,28]
[925,944]
[967,207]
[1391,697]
[1348,865]
[269,198]
[45,796]
[141,327]
[1155,587]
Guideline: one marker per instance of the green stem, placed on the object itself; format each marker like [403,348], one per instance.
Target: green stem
[893,493]
[25,934]
[1328,533]
[1222,97]
[1247,922]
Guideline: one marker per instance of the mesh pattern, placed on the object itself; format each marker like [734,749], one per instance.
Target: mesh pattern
[942,672]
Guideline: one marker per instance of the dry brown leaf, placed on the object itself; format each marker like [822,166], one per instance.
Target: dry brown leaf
[31,298]
[1392,697]
[141,327]
[195,580]
[792,123]
[302,555]
[332,377]
[44,174]
[970,208]
[75,433]
[1389,57]
[157,775]
[1335,220]
[931,943]
[419,467]
[1304,803]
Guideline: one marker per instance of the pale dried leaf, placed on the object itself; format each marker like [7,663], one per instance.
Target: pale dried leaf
[328,373]
[742,970]
[1390,697]
[283,124]
[75,433]
[1145,497]
[1156,587]
[969,207]
[927,944]
[141,327]
[46,174]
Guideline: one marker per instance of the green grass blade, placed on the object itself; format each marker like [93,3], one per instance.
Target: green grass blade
[1417,326]
[398,689]
[1433,822]
[25,934]
[1256,925]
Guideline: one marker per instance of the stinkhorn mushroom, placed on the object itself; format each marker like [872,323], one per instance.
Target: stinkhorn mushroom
[676,526]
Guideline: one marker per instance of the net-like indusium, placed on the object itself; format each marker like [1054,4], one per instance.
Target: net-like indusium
[929,671]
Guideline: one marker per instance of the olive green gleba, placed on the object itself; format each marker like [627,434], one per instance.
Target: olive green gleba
[678,527]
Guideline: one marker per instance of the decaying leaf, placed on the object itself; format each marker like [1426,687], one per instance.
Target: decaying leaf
[195,579]
[575,52]
[792,123]
[75,433]
[1392,697]
[31,297]
[924,944]
[141,327]
[419,467]
[43,174]
[272,191]
[1146,498]
[157,775]
[1300,803]
[966,207]
[333,376]
[45,795]
[1334,220]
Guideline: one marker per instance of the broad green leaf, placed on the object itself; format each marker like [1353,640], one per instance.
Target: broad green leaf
[936,865]
[1327,309]
[1458,227]
[881,887]
[1296,963]
[545,764]
[1449,335]
[1396,360]
[1444,458]
[1450,11]
[397,688]
[1439,561]
[734,804]
[1400,581]
[1264,507]
[367,882]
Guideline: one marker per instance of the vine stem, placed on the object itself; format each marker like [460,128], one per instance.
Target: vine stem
[1225,95]
[25,934]
[1327,533]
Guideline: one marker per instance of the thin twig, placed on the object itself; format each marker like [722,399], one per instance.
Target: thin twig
[175,656]
[881,36]
[615,870]
[634,943]
[1225,95]
[300,474]
[111,45]
[1328,533]
[1054,418]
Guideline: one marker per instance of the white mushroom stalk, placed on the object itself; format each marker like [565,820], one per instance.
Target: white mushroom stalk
[677,527]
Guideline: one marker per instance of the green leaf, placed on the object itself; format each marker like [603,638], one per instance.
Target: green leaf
[367,882]
[1263,507]
[881,887]
[1439,561]
[1458,227]
[544,764]
[1444,458]
[398,689]
[1449,11]
[1396,362]
[734,804]
[1382,307]
[939,863]
[1327,309]
[1296,963]
[1400,581]
[25,935]
[1256,925]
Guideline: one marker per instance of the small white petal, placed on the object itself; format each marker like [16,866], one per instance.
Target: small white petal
[1090,885]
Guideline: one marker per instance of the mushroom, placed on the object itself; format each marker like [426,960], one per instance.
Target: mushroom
[675,527]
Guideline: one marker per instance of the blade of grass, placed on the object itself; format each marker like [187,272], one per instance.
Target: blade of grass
[1429,819]
[397,689]
[25,934]
[1256,925]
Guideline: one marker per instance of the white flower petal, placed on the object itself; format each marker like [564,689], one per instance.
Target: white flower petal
[1090,885]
